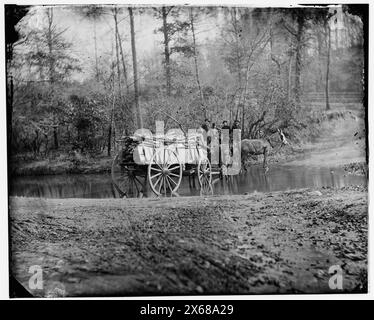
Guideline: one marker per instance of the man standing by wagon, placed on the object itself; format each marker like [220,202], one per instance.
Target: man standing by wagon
[206,125]
[225,125]
[236,125]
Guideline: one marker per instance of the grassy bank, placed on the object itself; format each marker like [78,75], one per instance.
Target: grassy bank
[63,164]
[281,242]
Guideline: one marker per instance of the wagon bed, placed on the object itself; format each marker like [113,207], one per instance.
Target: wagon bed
[160,163]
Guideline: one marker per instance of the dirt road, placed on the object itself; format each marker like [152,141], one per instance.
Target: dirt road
[342,141]
[282,242]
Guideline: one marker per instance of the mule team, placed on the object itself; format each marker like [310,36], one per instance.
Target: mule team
[250,147]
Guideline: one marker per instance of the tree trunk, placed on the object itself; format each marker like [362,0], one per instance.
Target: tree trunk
[238,62]
[166,50]
[55,137]
[135,71]
[123,60]
[300,29]
[110,129]
[195,58]
[272,56]
[117,50]
[109,139]
[96,59]
[50,46]
[319,85]
[111,117]
[244,94]
[289,82]
[328,34]
[230,116]
[10,93]
[245,91]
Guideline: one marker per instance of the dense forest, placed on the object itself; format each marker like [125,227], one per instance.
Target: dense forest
[80,77]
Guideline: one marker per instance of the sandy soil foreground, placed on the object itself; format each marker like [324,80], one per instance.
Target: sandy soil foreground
[282,242]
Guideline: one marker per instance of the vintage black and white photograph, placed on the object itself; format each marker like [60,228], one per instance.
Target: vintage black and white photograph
[187,150]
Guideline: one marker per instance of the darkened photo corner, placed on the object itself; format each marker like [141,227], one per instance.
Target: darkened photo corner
[187,150]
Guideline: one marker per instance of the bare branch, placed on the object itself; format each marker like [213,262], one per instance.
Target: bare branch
[290,29]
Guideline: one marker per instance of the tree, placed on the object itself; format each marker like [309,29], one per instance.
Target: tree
[164,12]
[232,51]
[95,14]
[135,70]
[249,64]
[46,51]
[328,35]
[298,17]
[122,57]
[195,56]
[173,43]
[13,14]
[304,18]
[115,17]
[243,45]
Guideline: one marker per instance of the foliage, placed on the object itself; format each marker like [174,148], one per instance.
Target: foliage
[253,66]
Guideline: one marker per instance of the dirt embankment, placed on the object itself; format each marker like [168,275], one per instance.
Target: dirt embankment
[283,242]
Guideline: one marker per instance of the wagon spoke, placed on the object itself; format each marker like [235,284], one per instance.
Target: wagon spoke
[157,181]
[137,179]
[173,174]
[168,169]
[136,185]
[205,176]
[156,175]
[172,180]
[124,178]
[161,181]
[172,169]
[161,185]
[164,186]
[167,180]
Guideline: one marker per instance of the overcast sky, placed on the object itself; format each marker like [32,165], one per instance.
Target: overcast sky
[80,32]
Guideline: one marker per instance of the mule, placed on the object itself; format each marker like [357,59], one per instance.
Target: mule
[255,147]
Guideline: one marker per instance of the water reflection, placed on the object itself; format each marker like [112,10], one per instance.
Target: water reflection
[286,177]
[99,185]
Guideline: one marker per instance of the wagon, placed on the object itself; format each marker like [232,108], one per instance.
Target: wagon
[143,161]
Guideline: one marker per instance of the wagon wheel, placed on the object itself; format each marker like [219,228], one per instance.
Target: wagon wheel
[204,175]
[165,172]
[125,180]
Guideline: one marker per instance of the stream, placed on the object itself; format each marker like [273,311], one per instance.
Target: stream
[278,178]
